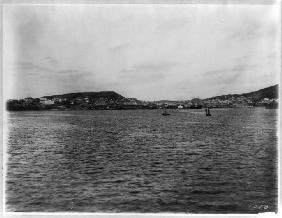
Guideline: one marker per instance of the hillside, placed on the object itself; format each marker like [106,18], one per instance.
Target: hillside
[91,95]
[269,92]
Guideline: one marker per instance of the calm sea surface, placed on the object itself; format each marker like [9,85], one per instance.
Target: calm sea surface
[141,161]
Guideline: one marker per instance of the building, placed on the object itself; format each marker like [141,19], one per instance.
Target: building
[180,106]
[57,100]
[86,99]
[46,101]
[79,100]
[28,100]
[100,104]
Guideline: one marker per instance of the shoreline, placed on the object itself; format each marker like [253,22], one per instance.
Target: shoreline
[130,109]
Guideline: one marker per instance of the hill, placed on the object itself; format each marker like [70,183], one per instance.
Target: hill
[91,95]
[269,92]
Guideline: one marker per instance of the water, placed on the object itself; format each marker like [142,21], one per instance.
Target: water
[141,161]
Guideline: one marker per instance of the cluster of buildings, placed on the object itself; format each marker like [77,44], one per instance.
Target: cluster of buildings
[30,104]
[104,103]
[188,104]
[232,101]
[78,103]
[267,101]
[236,101]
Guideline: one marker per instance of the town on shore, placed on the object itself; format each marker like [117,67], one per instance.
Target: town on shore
[108,100]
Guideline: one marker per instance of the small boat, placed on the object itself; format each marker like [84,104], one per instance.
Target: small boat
[165,113]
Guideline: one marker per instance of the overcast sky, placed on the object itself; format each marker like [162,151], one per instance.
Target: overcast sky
[150,52]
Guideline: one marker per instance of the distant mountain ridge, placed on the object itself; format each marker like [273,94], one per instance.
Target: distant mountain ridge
[93,95]
[270,92]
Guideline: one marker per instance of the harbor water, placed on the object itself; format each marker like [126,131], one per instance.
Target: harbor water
[141,161]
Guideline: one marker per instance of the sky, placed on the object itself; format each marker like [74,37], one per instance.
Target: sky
[149,52]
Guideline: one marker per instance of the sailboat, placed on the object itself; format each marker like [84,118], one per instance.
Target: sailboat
[208,112]
[165,112]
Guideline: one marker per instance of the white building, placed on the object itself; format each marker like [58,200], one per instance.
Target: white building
[46,101]
[180,107]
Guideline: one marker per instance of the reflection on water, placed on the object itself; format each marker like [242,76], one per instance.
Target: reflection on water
[140,161]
